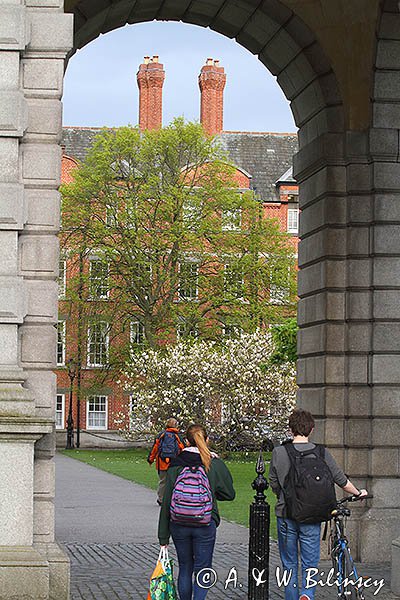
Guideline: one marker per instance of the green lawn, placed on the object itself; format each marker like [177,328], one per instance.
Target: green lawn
[131,464]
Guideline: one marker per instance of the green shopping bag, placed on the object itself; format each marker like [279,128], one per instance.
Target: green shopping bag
[162,585]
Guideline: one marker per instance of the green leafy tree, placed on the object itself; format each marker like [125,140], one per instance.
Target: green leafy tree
[284,337]
[180,245]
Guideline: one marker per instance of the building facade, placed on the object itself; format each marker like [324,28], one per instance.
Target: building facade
[263,165]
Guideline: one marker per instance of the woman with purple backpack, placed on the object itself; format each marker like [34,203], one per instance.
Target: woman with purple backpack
[196,479]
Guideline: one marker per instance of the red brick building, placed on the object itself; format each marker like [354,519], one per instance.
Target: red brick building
[263,161]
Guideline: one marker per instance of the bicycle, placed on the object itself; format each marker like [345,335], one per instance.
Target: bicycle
[349,583]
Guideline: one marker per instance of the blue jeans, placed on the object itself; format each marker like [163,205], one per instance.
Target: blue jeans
[194,547]
[291,535]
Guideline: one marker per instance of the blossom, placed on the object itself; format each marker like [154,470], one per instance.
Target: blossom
[233,387]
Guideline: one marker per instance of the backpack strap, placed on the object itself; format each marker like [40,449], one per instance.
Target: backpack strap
[178,439]
[291,450]
[318,450]
[160,438]
[294,455]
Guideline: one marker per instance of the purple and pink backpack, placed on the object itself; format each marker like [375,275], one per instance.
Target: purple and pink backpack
[191,502]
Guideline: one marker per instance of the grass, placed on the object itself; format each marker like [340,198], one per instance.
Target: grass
[131,464]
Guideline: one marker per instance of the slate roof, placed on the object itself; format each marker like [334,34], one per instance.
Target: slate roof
[264,155]
[78,140]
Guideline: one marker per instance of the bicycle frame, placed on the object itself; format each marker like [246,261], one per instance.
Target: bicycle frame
[341,555]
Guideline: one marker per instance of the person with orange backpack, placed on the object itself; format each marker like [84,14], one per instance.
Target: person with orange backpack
[167,445]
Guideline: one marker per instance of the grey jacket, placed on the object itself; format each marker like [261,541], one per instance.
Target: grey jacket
[280,465]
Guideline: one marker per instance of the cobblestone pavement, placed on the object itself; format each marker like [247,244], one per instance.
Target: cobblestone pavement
[100,510]
[121,572]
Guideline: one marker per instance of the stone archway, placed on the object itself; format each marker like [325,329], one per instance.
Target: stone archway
[348,173]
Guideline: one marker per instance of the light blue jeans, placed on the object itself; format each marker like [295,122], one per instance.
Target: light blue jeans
[292,537]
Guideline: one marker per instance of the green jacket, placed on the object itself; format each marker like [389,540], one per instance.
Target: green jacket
[221,485]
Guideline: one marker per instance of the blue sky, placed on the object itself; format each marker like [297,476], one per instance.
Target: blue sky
[100,84]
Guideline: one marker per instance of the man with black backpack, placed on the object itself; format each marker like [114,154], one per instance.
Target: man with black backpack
[167,445]
[303,476]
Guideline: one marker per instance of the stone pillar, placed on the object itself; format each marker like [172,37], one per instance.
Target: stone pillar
[348,311]
[35,37]
[383,519]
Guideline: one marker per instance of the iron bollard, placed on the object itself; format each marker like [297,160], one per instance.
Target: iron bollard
[258,576]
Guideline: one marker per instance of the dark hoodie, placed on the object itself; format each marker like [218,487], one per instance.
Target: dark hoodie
[220,482]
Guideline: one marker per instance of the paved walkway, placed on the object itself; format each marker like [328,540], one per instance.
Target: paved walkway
[108,526]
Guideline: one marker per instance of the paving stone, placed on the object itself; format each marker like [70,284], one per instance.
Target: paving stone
[103,568]
[121,572]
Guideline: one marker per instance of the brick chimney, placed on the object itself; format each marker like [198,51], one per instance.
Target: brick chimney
[150,79]
[212,80]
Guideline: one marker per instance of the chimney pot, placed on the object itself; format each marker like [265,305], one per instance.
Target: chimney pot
[212,83]
[150,80]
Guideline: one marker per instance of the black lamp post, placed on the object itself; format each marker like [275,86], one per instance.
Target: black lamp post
[259,537]
[70,423]
[78,419]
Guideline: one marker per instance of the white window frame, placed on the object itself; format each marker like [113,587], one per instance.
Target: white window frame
[102,296]
[229,218]
[111,216]
[61,323]
[145,269]
[62,412]
[89,343]
[226,289]
[180,336]
[105,412]
[140,332]
[278,294]
[191,214]
[191,297]
[62,278]
[293,220]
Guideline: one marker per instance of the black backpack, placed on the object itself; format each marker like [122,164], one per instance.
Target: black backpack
[168,447]
[309,489]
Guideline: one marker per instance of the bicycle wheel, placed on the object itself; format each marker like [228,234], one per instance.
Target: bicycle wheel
[351,591]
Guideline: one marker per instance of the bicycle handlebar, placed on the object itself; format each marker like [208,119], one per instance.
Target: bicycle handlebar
[354,498]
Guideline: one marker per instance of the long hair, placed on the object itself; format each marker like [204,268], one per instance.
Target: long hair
[197,436]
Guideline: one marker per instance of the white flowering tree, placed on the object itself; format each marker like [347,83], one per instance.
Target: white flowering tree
[231,389]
